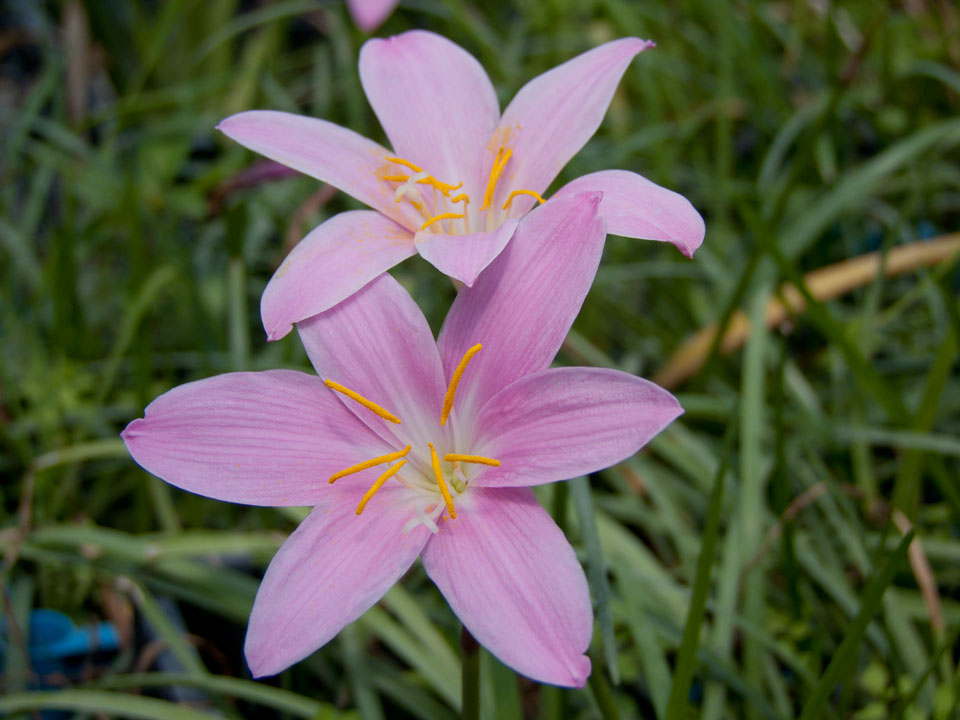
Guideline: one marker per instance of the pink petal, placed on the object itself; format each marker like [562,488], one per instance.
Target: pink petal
[635,207]
[330,571]
[523,304]
[370,14]
[464,256]
[325,151]
[566,422]
[514,581]
[266,438]
[378,343]
[554,115]
[331,263]
[434,101]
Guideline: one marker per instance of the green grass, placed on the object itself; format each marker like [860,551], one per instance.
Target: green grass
[749,564]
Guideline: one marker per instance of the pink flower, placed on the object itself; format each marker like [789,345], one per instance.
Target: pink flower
[412,447]
[460,176]
[370,14]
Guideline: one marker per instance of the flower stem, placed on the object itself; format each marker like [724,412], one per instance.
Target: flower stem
[471,676]
[601,691]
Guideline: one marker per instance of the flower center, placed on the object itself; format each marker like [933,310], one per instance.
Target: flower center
[441,206]
[441,481]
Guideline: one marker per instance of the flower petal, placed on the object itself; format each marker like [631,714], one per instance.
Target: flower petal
[378,343]
[635,207]
[330,571]
[325,151]
[514,581]
[565,422]
[523,304]
[331,263]
[263,438]
[464,256]
[554,115]
[434,101]
[370,14]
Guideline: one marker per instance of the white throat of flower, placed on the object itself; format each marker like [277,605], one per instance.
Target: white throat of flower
[447,211]
[428,496]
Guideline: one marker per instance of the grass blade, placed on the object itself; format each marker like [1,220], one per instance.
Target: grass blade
[841,666]
[687,655]
[596,572]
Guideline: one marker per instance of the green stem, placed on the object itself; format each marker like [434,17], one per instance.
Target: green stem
[601,691]
[471,676]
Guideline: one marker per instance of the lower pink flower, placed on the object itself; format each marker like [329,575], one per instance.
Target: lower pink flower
[409,447]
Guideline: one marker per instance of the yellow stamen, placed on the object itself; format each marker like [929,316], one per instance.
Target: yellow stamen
[479,459]
[503,155]
[405,163]
[435,461]
[443,187]
[372,462]
[461,196]
[368,404]
[531,193]
[454,381]
[441,216]
[390,472]
[396,178]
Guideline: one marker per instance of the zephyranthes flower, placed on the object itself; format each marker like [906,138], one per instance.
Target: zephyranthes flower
[370,14]
[459,178]
[407,447]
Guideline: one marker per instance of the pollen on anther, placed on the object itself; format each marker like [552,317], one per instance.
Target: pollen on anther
[368,404]
[372,462]
[479,459]
[389,473]
[531,193]
[441,483]
[455,381]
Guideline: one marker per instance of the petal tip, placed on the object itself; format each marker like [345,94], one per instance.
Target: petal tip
[689,244]
[278,332]
[259,659]
[580,672]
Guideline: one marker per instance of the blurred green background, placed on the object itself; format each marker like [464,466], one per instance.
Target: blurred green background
[135,244]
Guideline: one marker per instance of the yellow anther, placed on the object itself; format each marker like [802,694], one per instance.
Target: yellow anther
[390,472]
[503,155]
[531,193]
[461,196]
[454,381]
[405,163]
[372,462]
[443,187]
[396,178]
[479,459]
[441,216]
[368,404]
[441,483]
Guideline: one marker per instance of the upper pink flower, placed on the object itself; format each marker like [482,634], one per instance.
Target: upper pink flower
[370,14]
[459,178]
[406,446]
